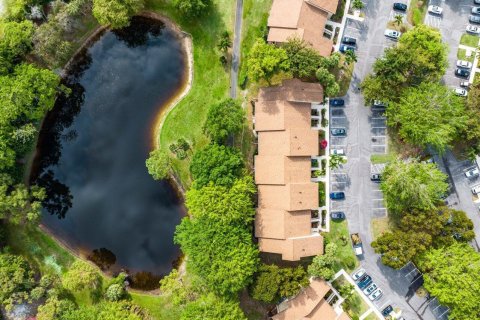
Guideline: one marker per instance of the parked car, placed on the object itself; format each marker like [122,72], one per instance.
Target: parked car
[376,295]
[357,244]
[359,274]
[435,9]
[337,215]
[349,40]
[473,29]
[474,19]
[476,189]
[365,282]
[476,10]
[371,288]
[394,34]
[472,173]
[338,131]
[346,47]
[462,73]
[461,92]
[476,1]
[337,102]
[464,84]
[464,64]
[379,104]
[337,195]
[388,309]
[376,177]
[399,6]
[339,152]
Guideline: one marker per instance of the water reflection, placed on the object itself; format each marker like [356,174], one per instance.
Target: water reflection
[92,149]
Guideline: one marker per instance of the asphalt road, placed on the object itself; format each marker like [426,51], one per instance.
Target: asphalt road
[366,134]
[237,36]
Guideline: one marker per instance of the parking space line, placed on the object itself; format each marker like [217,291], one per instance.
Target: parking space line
[378,199]
[379,118]
[378,136]
[379,127]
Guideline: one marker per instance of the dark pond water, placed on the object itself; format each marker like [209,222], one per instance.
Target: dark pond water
[93,145]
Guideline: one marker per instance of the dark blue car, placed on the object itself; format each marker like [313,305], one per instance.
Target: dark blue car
[387,310]
[399,6]
[345,47]
[337,195]
[337,102]
[337,215]
[365,282]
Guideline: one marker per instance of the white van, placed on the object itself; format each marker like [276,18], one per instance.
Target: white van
[476,189]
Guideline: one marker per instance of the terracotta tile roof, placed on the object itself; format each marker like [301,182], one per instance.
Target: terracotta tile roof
[291,142]
[293,249]
[281,170]
[327,5]
[283,34]
[291,197]
[285,13]
[281,224]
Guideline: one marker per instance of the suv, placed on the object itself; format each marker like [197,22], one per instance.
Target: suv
[388,309]
[337,102]
[349,40]
[365,282]
[474,19]
[399,6]
[462,73]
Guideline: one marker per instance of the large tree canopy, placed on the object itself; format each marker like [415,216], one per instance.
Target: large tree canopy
[266,60]
[413,185]
[81,275]
[451,275]
[217,164]
[192,8]
[116,13]
[224,118]
[158,164]
[304,60]
[419,56]
[211,307]
[428,115]
[15,276]
[15,42]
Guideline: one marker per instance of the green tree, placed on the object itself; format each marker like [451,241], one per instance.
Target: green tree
[223,119]
[121,310]
[158,164]
[175,287]
[211,307]
[328,81]
[80,276]
[116,13]
[451,275]
[428,115]
[322,266]
[304,60]
[16,277]
[193,8]
[225,42]
[419,56]
[336,161]
[292,281]
[222,254]
[218,203]
[357,4]
[413,185]
[54,308]
[217,164]
[115,292]
[457,227]
[398,19]
[265,60]
[50,45]
[15,42]
[350,57]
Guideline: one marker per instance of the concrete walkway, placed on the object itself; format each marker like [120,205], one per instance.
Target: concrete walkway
[237,37]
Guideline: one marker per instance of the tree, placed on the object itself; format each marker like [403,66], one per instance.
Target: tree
[451,275]
[265,60]
[211,307]
[304,60]
[413,185]
[174,286]
[54,308]
[457,227]
[116,13]
[225,42]
[158,164]
[217,164]
[16,277]
[193,8]
[336,161]
[292,281]
[428,115]
[115,292]
[322,265]
[15,42]
[222,254]
[328,81]
[357,4]
[80,276]
[218,203]
[121,310]
[223,119]
[420,56]
[399,247]
[398,19]
[350,56]
[50,45]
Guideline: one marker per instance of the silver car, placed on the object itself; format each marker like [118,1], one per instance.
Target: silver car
[464,64]
[435,9]
[376,295]
[476,10]
[368,290]
[394,34]
[461,92]
[473,29]
[472,173]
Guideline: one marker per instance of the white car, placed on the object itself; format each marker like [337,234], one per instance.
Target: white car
[435,9]
[464,84]
[464,64]
[473,29]
[379,103]
[376,295]
[357,275]
[371,288]
[339,152]
[461,92]
[472,173]
[392,34]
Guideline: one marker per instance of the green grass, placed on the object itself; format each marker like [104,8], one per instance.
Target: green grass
[210,80]
[358,306]
[382,158]
[159,307]
[461,55]
[341,237]
[380,225]
[371,316]
[417,11]
[469,40]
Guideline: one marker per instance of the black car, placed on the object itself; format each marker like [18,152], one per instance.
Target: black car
[388,309]
[376,177]
[399,6]
[337,215]
[462,73]
[474,19]
[337,195]
[345,47]
[349,40]
[337,102]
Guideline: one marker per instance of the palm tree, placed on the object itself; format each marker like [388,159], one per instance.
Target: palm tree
[350,56]
[225,42]
[357,4]
[398,19]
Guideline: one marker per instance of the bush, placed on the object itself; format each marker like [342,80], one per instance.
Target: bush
[417,17]
[115,292]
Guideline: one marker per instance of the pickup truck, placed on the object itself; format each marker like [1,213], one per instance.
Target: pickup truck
[357,244]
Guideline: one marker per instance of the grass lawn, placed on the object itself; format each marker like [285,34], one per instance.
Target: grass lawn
[341,237]
[357,307]
[417,11]
[380,225]
[382,158]
[371,316]
[469,40]
[210,80]
[344,76]
[159,306]
[462,55]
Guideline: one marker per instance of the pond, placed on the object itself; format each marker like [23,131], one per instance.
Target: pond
[101,201]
